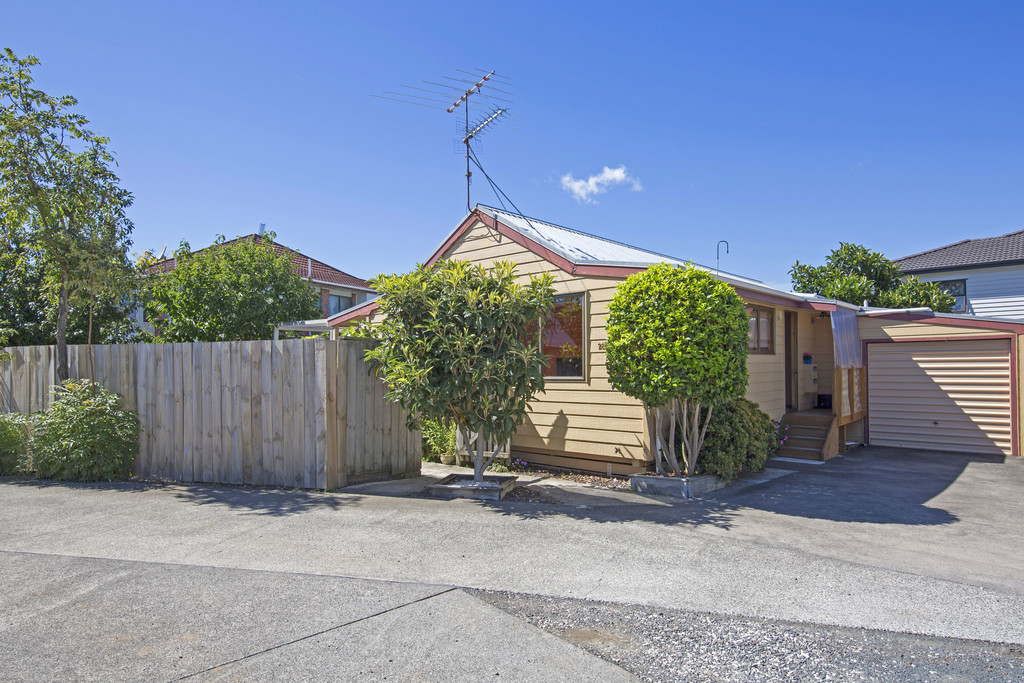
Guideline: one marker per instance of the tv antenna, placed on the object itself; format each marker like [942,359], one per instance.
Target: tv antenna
[441,93]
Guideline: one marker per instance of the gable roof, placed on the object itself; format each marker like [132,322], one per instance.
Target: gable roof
[304,266]
[1008,248]
[580,253]
[583,249]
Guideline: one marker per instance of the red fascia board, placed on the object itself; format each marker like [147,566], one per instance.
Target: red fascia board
[620,272]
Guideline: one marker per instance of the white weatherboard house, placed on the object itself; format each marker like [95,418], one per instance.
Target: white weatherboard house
[985,275]
[895,378]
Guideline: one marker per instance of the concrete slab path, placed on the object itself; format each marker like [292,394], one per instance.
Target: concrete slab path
[86,619]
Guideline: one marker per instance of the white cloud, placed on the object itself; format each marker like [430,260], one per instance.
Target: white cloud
[584,190]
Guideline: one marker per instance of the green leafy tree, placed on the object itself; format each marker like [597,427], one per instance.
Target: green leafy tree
[678,341]
[57,183]
[855,274]
[28,308]
[230,291]
[23,306]
[460,344]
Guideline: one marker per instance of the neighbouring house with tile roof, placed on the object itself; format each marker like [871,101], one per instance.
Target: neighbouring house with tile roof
[833,371]
[338,290]
[985,275]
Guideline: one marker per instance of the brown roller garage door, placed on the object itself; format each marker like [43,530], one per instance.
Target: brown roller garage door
[941,395]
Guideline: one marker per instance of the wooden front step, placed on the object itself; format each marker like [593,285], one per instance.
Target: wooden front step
[808,431]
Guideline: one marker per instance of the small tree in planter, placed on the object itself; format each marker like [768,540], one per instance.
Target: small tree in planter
[460,343]
[678,341]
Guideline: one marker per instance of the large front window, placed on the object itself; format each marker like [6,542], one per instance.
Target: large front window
[562,339]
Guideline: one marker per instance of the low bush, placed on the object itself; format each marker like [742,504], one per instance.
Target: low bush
[14,436]
[740,435]
[438,439]
[85,435]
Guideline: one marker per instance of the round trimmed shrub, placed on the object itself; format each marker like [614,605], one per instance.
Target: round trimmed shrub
[85,435]
[740,435]
[13,443]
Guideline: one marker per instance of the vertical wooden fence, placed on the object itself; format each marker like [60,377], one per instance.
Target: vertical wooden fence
[298,412]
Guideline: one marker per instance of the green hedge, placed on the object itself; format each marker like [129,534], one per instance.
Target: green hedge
[740,435]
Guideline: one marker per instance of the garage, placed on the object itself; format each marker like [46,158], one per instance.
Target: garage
[946,394]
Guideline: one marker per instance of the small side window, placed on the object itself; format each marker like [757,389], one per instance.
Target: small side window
[762,329]
[958,288]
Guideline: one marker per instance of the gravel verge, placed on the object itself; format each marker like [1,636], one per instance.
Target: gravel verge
[677,645]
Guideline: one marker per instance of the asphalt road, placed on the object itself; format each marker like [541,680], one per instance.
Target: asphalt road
[828,547]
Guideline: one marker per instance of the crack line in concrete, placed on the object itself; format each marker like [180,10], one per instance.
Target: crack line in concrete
[313,635]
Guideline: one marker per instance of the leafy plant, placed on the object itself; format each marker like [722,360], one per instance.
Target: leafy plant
[85,435]
[14,440]
[740,435]
[438,439]
[678,341]
[855,274]
[460,343]
[230,291]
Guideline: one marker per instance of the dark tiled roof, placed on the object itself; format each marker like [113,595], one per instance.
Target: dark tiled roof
[1006,248]
[305,266]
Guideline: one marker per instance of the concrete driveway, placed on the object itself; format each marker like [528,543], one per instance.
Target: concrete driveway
[893,540]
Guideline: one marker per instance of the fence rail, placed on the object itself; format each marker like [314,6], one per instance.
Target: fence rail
[298,412]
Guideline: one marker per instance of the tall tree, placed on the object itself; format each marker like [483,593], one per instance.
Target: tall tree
[56,180]
[855,274]
[230,291]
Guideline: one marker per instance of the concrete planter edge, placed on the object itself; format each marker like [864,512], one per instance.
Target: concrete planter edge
[495,487]
[686,487]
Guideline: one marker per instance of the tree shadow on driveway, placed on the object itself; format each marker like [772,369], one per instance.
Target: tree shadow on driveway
[870,485]
[873,485]
[257,500]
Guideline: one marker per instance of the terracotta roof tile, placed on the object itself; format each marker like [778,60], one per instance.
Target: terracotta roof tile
[303,265]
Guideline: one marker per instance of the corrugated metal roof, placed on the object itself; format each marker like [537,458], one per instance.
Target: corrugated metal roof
[585,249]
[1006,248]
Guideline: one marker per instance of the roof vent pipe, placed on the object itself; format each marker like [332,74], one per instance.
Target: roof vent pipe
[309,267]
[263,228]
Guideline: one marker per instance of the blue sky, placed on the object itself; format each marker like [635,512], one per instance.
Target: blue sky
[781,127]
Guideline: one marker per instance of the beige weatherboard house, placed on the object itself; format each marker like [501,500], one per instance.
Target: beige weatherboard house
[888,361]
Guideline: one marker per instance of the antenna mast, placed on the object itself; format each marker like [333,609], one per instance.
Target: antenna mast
[465,98]
[470,130]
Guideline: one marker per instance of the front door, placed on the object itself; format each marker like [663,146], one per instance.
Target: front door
[792,386]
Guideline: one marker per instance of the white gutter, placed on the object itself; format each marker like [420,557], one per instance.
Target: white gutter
[924,310]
